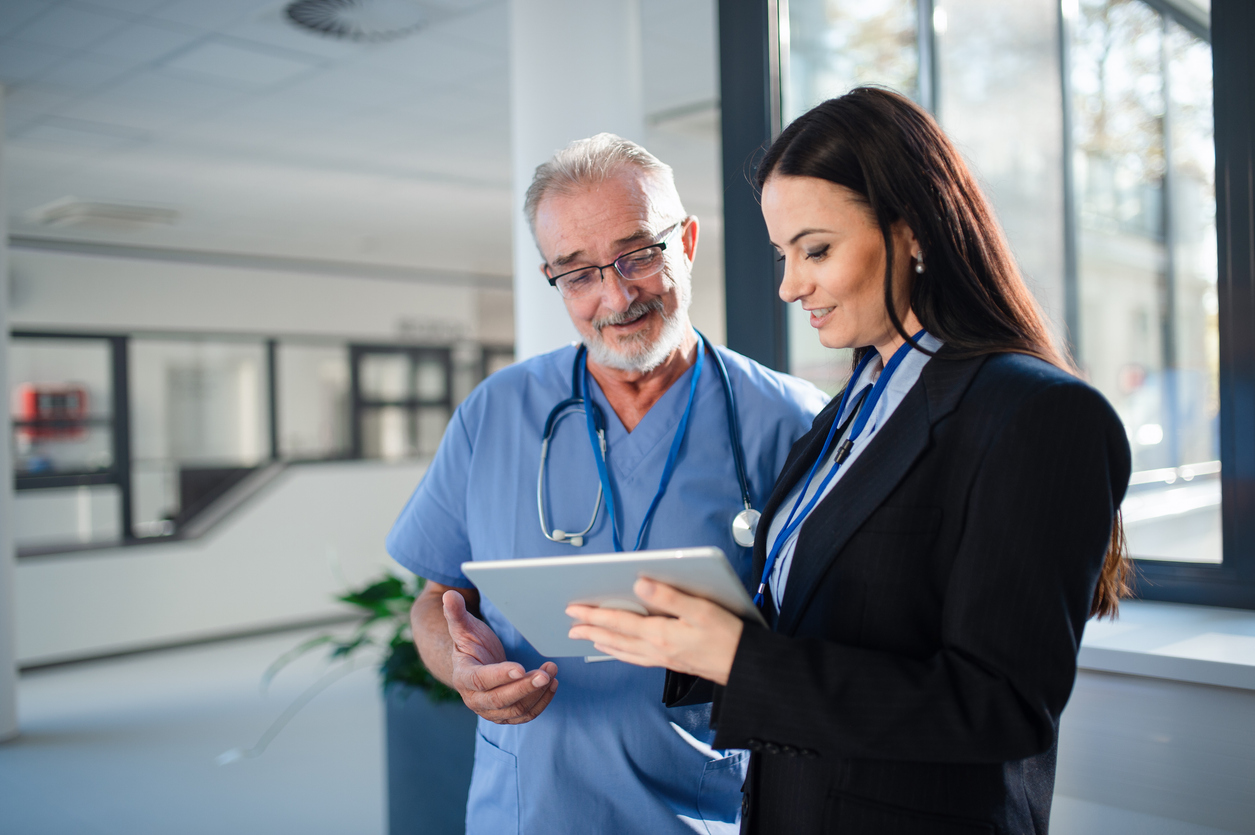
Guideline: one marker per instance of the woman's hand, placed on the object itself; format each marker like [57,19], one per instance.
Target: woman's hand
[700,639]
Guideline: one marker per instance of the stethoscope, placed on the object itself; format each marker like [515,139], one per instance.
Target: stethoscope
[745,522]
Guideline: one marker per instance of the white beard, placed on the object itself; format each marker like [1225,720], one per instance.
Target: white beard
[635,354]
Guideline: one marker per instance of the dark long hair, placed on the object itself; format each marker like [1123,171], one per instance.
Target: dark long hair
[893,155]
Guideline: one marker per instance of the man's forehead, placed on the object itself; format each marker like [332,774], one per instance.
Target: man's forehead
[615,212]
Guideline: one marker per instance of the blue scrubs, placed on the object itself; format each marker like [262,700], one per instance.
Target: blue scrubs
[605,755]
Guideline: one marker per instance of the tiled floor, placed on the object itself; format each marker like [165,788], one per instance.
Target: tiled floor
[129,746]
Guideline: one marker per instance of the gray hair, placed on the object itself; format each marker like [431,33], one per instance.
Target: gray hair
[591,161]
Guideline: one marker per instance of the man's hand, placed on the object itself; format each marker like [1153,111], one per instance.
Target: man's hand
[501,691]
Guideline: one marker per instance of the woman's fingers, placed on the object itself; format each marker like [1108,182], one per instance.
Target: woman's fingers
[672,601]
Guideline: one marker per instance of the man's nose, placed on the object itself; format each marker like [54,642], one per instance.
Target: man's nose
[617,293]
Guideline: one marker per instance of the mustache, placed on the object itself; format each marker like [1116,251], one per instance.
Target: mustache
[636,310]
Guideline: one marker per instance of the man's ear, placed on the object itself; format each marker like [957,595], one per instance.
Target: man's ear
[688,238]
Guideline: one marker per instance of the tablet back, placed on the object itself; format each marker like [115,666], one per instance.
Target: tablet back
[533,593]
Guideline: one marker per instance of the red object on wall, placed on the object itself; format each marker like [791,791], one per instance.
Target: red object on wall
[49,412]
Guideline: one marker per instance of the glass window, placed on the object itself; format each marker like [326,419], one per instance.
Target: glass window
[62,405]
[386,376]
[405,400]
[833,46]
[198,412]
[1144,158]
[999,99]
[313,401]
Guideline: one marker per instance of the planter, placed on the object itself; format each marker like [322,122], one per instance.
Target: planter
[431,748]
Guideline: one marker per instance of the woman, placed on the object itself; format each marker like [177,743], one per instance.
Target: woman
[935,544]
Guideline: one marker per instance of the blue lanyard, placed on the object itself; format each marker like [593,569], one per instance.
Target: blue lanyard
[667,470]
[865,404]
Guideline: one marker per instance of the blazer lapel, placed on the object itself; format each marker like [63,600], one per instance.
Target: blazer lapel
[871,478]
[801,456]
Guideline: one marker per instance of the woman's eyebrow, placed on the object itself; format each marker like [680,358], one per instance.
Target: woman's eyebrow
[804,233]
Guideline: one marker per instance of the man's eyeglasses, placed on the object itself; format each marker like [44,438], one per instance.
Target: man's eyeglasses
[636,265]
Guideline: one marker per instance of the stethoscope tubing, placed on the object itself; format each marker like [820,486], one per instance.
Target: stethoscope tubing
[595,420]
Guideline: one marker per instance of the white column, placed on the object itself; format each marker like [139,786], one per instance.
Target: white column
[575,70]
[8,640]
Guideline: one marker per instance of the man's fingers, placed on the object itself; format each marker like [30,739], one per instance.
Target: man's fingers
[455,613]
[534,710]
[484,677]
[506,695]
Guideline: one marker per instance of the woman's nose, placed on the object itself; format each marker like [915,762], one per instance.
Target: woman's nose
[791,287]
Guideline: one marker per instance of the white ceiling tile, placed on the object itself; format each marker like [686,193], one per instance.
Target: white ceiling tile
[351,85]
[144,42]
[70,27]
[241,63]
[131,114]
[207,14]
[487,28]
[428,59]
[16,13]
[21,61]
[57,130]
[132,7]
[83,74]
[163,91]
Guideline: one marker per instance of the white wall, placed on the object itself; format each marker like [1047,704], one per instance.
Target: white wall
[67,291]
[268,564]
[589,85]
[1153,755]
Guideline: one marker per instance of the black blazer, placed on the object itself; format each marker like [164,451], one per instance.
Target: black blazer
[927,640]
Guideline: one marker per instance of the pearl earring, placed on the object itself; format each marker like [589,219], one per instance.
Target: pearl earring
[919,263]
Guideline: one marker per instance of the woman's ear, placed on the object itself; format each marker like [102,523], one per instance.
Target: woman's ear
[904,238]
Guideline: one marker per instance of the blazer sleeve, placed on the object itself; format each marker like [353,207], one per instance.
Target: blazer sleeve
[1036,527]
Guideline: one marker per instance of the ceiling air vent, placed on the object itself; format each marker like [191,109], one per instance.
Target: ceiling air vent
[358,20]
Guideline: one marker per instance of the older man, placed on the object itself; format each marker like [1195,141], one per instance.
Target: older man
[601,754]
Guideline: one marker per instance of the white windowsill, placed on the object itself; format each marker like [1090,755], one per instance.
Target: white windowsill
[1198,644]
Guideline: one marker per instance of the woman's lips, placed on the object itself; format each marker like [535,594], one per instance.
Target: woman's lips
[819,316]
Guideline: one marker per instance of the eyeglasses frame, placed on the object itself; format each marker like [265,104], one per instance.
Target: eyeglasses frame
[661,243]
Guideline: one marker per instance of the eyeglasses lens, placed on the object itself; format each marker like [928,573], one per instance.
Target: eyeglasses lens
[634,266]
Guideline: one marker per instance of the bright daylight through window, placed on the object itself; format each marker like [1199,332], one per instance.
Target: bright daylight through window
[1106,189]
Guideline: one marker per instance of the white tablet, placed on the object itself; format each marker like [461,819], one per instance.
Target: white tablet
[534,593]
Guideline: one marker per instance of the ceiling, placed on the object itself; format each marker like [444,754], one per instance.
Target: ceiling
[268,140]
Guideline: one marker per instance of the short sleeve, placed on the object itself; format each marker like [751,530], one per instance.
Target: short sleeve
[430,536]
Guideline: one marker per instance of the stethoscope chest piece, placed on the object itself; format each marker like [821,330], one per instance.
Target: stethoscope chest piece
[744,526]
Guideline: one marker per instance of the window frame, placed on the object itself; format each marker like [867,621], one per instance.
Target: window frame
[751,94]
